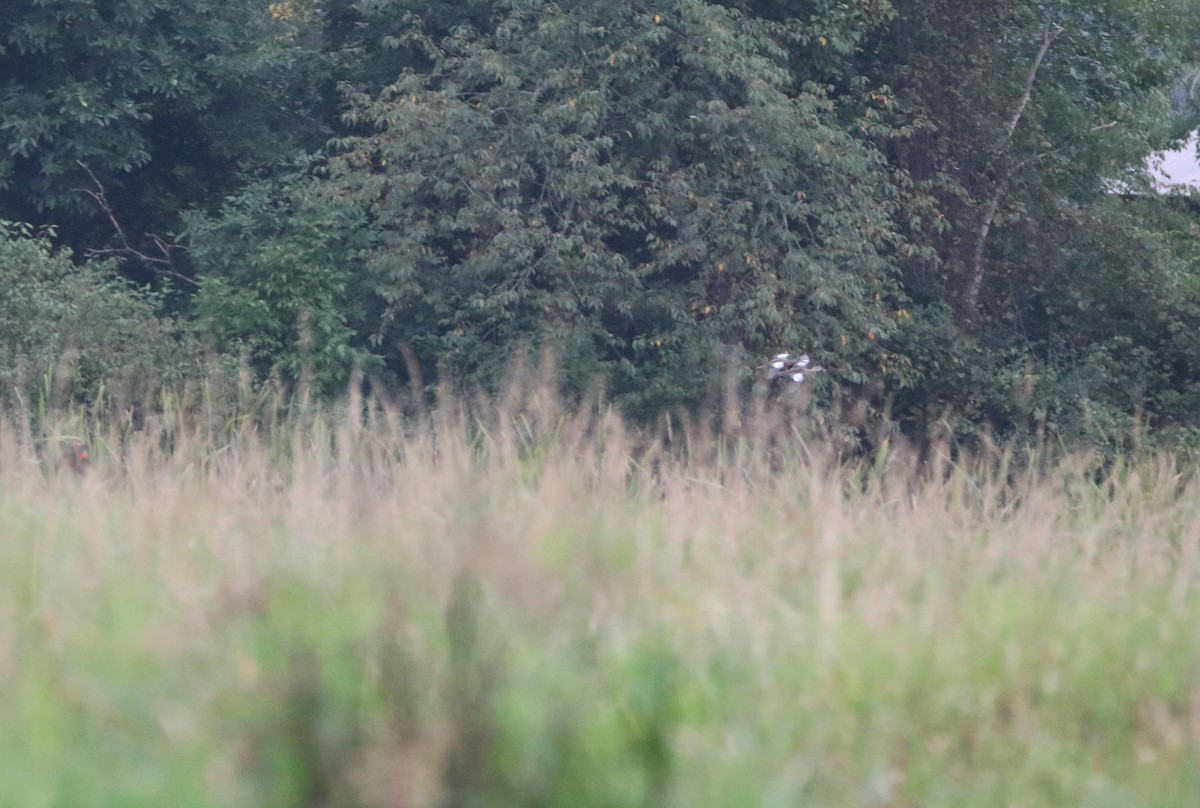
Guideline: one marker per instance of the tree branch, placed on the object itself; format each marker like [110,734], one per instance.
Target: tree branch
[1050,34]
[160,265]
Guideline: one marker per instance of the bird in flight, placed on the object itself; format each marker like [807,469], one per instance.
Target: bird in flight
[792,369]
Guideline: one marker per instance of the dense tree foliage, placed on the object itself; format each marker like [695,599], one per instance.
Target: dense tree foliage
[1032,109]
[79,334]
[643,187]
[1026,117]
[921,194]
[279,282]
[160,106]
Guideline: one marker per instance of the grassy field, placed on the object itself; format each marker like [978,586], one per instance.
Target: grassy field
[522,607]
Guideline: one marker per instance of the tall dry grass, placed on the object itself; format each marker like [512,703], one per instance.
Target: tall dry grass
[506,602]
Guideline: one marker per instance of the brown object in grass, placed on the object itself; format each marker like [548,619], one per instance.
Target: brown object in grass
[75,455]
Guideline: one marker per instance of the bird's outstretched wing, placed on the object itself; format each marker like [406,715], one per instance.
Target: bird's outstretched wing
[794,370]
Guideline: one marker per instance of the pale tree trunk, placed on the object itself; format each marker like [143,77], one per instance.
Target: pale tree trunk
[975,270]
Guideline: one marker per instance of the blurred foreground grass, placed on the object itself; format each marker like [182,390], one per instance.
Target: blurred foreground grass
[524,607]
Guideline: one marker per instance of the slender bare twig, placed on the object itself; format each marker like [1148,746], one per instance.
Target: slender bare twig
[161,265]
